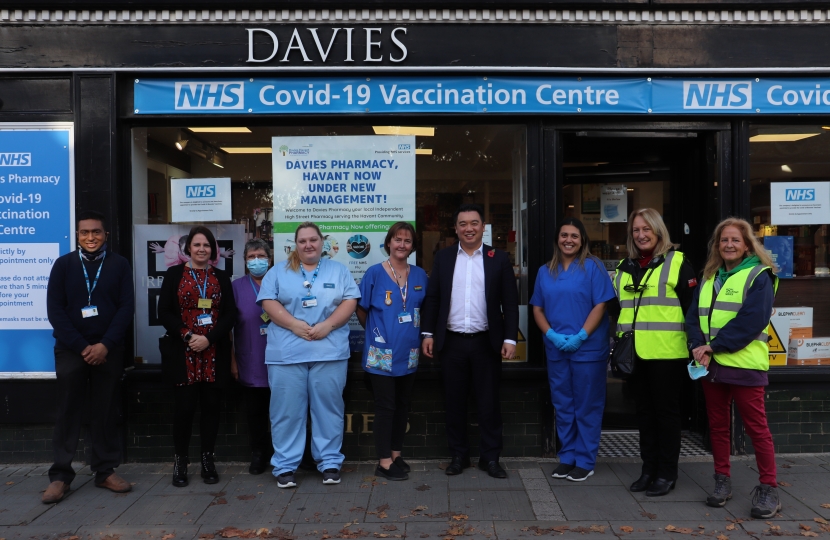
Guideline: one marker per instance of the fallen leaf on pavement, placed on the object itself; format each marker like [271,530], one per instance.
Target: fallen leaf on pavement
[825,505]
[785,466]
[722,537]
[730,527]
[785,484]
[627,529]
[597,528]
[459,517]
[9,483]
[382,515]
[671,528]
[207,536]
[820,520]
[245,497]
[381,535]
[422,487]
[369,478]
[804,527]
[455,530]
[220,500]
[347,469]
[649,515]
[389,527]
[808,533]
[218,494]
[168,536]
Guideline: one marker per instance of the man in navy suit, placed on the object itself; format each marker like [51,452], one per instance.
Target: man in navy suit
[470,319]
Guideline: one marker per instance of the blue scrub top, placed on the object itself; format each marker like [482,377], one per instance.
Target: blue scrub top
[334,284]
[567,299]
[391,348]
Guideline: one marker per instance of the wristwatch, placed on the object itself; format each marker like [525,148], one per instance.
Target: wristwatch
[187,336]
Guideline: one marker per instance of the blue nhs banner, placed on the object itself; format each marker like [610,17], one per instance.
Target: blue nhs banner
[483,95]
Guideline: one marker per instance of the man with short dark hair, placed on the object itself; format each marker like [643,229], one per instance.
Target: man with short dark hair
[90,303]
[470,316]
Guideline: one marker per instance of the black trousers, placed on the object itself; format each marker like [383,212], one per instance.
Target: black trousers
[657,386]
[74,378]
[466,362]
[393,395]
[209,398]
[257,404]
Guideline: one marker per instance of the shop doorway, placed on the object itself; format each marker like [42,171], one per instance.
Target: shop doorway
[677,172]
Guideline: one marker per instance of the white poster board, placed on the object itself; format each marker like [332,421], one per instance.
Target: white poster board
[613,203]
[200,200]
[799,203]
[155,249]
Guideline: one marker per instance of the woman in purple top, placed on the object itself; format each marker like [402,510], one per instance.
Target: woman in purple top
[248,361]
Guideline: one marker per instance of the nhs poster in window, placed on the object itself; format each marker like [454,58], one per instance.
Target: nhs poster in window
[200,200]
[354,188]
[799,203]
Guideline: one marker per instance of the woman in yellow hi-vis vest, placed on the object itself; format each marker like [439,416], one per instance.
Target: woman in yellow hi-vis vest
[654,287]
[727,325]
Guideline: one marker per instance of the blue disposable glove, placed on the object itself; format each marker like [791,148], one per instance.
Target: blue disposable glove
[557,339]
[573,343]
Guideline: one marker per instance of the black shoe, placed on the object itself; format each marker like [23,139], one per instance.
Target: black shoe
[493,469]
[642,483]
[209,473]
[562,470]
[180,471]
[402,465]
[393,473]
[660,487]
[258,463]
[457,466]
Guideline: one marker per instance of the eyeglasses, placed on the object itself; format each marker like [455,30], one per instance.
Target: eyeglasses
[640,287]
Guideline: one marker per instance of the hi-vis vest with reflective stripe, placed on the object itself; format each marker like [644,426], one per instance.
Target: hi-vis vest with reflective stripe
[726,306]
[659,332]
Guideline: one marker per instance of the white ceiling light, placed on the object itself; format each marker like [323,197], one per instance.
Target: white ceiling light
[219,129]
[404,130]
[786,168]
[247,149]
[781,137]
[181,141]
[423,151]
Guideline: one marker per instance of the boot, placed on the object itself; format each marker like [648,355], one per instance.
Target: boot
[209,473]
[180,470]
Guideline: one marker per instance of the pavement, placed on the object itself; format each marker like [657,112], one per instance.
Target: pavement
[528,504]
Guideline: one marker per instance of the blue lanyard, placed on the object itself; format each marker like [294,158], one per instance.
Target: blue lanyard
[86,276]
[202,288]
[253,286]
[313,277]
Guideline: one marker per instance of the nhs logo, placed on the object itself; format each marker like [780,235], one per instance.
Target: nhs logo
[210,96]
[800,195]
[718,95]
[193,192]
[15,159]
[404,147]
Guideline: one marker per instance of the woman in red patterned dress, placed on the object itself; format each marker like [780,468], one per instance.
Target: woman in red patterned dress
[196,305]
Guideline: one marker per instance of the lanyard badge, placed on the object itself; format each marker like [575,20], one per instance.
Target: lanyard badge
[90,310]
[308,300]
[204,302]
[264,316]
[403,317]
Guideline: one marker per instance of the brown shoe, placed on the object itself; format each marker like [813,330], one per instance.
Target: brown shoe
[55,492]
[115,484]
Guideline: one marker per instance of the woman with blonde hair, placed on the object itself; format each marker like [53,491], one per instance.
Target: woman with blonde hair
[727,326]
[654,286]
[309,300]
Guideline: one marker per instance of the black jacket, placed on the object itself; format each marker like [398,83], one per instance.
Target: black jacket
[170,315]
[500,294]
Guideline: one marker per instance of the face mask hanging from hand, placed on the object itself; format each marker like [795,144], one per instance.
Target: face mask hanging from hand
[696,371]
[257,267]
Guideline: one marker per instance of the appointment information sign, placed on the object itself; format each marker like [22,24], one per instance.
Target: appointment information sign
[36,227]
[400,94]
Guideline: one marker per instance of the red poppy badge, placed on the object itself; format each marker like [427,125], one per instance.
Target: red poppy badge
[491,253]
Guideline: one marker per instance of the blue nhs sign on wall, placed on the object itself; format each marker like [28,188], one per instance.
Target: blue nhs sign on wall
[718,95]
[209,96]
[800,195]
[192,192]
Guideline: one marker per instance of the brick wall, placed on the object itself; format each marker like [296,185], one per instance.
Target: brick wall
[799,419]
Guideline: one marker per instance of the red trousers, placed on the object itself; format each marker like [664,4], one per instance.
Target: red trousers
[750,403]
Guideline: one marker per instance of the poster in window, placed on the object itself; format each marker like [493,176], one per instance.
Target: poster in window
[799,203]
[614,203]
[781,250]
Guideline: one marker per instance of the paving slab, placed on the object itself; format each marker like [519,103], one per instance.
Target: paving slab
[760,527]
[474,478]
[166,510]
[676,528]
[741,472]
[359,480]
[248,499]
[399,502]
[665,510]
[148,468]
[336,507]
[39,532]
[514,530]
[142,533]
[469,529]
[809,490]
[20,500]
[492,505]
[586,503]
[349,530]
[603,476]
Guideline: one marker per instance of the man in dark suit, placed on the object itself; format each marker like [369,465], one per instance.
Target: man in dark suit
[470,318]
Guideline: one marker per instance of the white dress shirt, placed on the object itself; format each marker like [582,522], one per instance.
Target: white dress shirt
[468,307]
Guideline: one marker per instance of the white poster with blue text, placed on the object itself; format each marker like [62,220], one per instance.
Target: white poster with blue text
[354,188]
[36,227]
[799,203]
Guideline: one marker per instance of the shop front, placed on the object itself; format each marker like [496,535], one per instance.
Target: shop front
[254,120]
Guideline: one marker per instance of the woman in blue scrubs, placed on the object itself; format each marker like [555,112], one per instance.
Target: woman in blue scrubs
[569,308]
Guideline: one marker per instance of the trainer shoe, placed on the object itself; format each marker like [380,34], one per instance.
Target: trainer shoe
[331,476]
[722,492]
[402,465]
[393,473]
[562,470]
[765,502]
[286,480]
[578,474]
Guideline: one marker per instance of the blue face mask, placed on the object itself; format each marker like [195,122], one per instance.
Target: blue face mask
[257,267]
[696,371]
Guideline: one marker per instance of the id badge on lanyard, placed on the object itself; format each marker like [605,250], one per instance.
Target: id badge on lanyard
[89,310]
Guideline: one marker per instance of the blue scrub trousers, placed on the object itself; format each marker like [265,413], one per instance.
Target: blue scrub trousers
[577,391]
[295,388]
